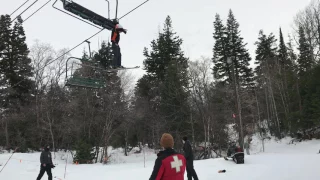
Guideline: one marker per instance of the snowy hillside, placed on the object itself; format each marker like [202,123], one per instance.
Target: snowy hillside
[281,161]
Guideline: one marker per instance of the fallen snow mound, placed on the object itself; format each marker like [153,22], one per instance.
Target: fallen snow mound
[280,161]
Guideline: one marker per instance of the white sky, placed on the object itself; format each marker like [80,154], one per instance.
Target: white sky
[192,20]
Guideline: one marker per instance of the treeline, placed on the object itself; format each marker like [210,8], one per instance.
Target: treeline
[280,94]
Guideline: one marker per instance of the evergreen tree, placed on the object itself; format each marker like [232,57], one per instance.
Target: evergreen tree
[283,54]
[266,72]
[238,53]
[15,78]
[166,68]
[292,56]
[165,50]
[266,53]
[228,46]
[221,69]
[305,62]
[5,35]
[84,154]
[16,65]
[311,103]
[104,55]
[288,83]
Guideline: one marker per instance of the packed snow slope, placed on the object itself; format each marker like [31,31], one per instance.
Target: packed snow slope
[280,161]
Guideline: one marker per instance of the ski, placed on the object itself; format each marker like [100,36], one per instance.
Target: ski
[124,68]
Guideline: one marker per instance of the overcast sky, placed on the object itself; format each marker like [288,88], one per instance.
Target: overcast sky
[192,20]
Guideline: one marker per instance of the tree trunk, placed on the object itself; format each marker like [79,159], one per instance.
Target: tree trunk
[192,129]
[267,105]
[126,143]
[275,110]
[97,153]
[51,133]
[7,133]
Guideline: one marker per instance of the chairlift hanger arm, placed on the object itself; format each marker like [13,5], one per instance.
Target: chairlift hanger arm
[75,46]
[116,10]
[67,64]
[108,9]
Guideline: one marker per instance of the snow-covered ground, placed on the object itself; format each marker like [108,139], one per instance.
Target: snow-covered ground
[280,161]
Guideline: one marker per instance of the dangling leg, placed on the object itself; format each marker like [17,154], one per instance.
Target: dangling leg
[119,57]
[115,55]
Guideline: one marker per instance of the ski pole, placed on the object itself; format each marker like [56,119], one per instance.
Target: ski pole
[8,159]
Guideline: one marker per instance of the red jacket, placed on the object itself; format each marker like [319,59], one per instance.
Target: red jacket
[169,166]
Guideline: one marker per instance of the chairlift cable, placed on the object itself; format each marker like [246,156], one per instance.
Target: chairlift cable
[62,55]
[19,7]
[134,9]
[101,29]
[74,47]
[36,11]
[116,10]
[25,10]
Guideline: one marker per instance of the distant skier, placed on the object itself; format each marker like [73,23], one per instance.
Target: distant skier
[169,165]
[46,163]
[191,173]
[115,38]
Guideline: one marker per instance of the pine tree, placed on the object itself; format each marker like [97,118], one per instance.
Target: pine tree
[266,69]
[15,64]
[165,50]
[15,79]
[84,153]
[287,79]
[291,53]
[166,68]
[266,53]
[221,68]
[311,103]
[239,54]
[5,35]
[104,55]
[305,62]
[283,53]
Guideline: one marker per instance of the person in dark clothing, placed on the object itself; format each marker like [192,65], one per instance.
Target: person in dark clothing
[188,154]
[115,38]
[169,165]
[46,163]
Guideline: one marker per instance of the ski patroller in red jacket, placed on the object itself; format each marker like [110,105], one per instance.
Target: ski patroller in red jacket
[169,165]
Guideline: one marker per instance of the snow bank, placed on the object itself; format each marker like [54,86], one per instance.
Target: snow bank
[280,161]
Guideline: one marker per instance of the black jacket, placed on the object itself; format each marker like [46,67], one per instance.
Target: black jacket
[188,154]
[45,157]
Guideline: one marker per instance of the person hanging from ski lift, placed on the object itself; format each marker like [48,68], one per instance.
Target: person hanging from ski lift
[115,38]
